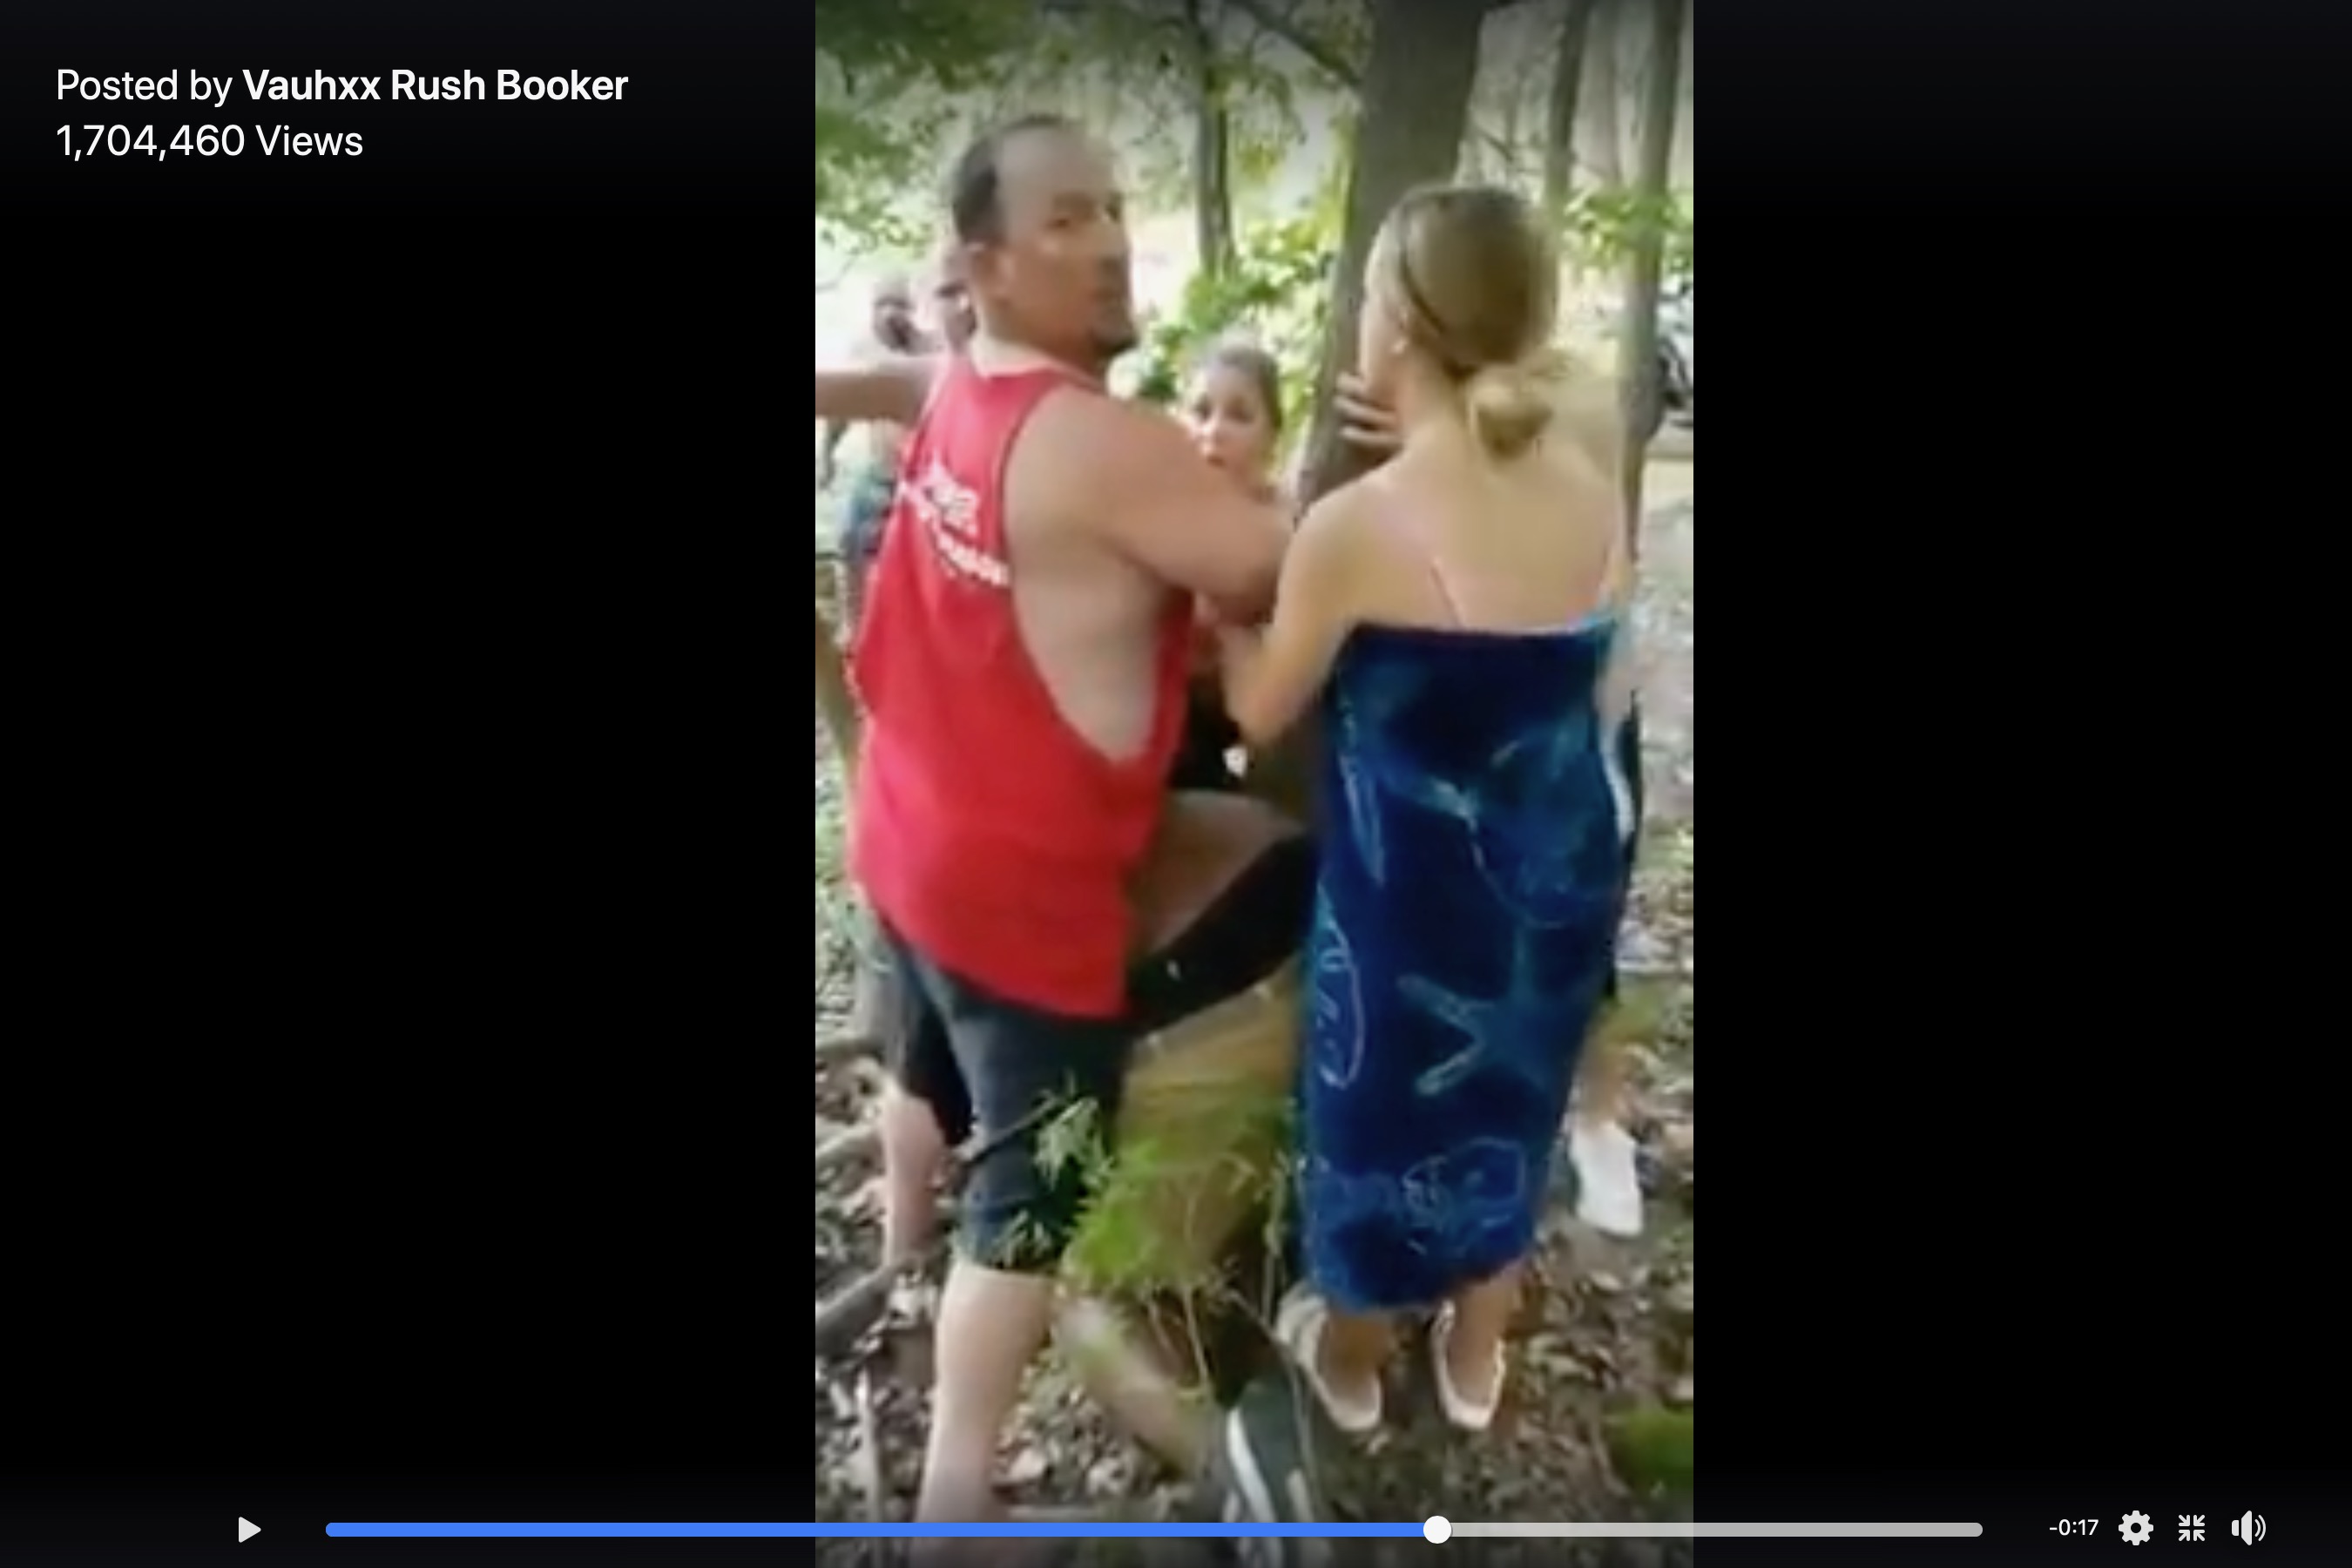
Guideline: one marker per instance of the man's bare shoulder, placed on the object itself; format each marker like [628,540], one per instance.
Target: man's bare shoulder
[1116,434]
[1129,478]
[1103,446]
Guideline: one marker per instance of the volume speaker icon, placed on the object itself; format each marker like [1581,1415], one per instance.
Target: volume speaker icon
[2249,1528]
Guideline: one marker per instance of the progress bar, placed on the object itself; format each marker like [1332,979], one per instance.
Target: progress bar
[1433,1529]
[883,1531]
[1708,1532]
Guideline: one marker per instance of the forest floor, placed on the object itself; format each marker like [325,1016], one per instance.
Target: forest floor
[1608,1336]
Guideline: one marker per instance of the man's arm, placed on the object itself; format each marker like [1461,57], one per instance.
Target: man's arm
[829,454]
[1152,498]
[892,393]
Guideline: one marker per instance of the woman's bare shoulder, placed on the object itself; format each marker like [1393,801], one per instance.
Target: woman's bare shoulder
[1592,420]
[1342,510]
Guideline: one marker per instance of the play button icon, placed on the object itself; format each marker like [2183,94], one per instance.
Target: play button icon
[247,1530]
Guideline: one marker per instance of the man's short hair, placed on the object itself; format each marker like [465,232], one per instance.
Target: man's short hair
[976,189]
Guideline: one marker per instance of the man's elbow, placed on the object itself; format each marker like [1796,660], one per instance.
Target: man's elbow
[1244,591]
[1247,603]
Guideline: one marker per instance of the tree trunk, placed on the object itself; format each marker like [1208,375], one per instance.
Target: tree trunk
[1567,101]
[1643,388]
[1605,112]
[1213,155]
[1423,64]
[1418,73]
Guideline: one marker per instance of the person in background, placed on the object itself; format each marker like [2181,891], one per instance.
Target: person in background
[1456,614]
[926,1110]
[951,303]
[892,334]
[914,1146]
[1232,405]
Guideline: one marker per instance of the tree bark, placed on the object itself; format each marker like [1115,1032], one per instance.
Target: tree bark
[1566,104]
[1418,73]
[1423,64]
[1335,66]
[1642,387]
[1213,156]
[1605,108]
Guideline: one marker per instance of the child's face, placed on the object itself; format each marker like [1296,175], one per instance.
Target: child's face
[1230,422]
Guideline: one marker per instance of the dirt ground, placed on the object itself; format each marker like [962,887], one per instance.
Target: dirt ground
[1608,1329]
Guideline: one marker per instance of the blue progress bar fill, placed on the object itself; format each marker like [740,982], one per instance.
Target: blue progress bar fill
[888,1532]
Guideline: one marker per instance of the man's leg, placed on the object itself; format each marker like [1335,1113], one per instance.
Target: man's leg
[1024,1069]
[926,1111]
[1200,1133]
[1218,1089]
[1196,1160]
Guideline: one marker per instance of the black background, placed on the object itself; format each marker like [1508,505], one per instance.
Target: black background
[404,1110]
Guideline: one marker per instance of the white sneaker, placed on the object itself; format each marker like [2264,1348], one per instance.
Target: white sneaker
[1608,1179]
[1465,1412]
[1299,1329]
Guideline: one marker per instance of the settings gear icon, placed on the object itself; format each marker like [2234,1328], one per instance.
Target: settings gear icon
[2136,1528]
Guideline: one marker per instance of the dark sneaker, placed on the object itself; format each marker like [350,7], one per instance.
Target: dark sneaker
[1266,1469]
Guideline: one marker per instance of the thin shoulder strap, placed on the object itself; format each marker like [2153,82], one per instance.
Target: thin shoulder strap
[1411,537]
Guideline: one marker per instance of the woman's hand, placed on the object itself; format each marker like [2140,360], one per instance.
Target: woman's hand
[1365,422]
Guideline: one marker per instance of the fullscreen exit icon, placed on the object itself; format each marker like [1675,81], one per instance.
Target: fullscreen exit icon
[2192,1527]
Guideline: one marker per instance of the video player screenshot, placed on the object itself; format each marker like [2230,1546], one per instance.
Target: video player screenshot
[1251,1067]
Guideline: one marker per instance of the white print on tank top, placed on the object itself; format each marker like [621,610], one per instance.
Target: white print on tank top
[949,511]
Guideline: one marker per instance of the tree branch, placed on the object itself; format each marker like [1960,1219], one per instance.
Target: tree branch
[1321,56]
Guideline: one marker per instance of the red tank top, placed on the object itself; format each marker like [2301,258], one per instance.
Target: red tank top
[986,831]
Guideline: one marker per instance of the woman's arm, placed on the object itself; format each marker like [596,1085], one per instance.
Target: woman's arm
[1272,676]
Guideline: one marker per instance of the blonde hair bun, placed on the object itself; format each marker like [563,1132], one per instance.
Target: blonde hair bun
[1511,406]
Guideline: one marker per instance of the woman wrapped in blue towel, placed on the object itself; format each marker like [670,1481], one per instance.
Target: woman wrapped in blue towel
[1458,615]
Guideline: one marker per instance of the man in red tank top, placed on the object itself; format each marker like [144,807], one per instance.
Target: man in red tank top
[1024,661]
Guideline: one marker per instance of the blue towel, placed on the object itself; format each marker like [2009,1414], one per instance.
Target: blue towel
[1478,835]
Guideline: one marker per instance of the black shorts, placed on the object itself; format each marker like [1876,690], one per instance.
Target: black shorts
[1008,1071]
[1201,765]
[915,1044]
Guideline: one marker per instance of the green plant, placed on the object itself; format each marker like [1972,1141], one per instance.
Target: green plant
[1148,1209]
[1655,1449]
[1600,228]
[1277,293]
